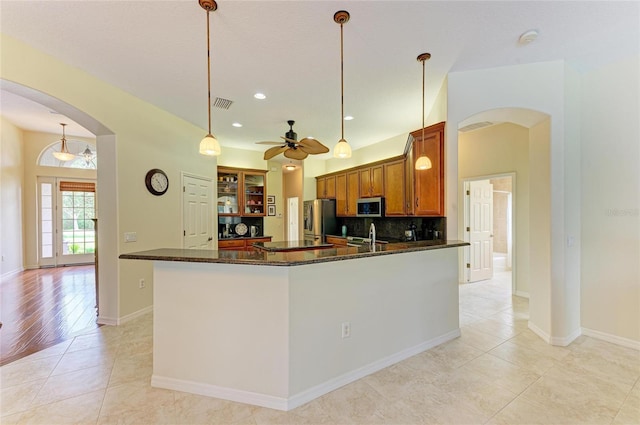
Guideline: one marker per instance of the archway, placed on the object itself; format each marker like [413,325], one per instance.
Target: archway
[107,202]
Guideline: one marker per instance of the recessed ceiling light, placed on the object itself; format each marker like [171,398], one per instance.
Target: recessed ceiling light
[348,118]
[528,37]
[260,96]
[237,124]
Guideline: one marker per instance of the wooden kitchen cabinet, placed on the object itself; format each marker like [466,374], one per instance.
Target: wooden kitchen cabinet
[337,241]
[241,192]
[394,188]
[240,244]
[347,193]
[427,190]
[372,181]
[326,187]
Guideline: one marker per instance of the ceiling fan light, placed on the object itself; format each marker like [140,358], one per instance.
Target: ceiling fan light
[423,163]
[342,150]
[210,146]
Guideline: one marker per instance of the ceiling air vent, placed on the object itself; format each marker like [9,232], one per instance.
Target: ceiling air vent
[222,103]
[475,126]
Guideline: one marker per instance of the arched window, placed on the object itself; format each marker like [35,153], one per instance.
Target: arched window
[86,155]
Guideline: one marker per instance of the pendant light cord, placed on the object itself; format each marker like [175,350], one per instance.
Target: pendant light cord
[208,74]
[422,142]
[341,84]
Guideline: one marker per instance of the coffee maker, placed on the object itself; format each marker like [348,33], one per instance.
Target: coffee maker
[410,234]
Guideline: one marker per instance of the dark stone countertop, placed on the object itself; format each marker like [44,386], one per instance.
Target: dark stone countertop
[233,238]
[290,245]
[287,258]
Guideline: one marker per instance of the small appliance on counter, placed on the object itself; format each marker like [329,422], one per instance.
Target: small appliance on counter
[410,233]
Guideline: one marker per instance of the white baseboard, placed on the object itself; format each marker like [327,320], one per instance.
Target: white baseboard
[554,340]
[285,404]
[109,321]
[114,321]
[340,381]
[11,273]
[542,334]
[521,294]
[135,315]
[564,341]
[614,339]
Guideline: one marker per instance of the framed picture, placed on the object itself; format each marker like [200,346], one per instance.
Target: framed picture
[271,199]
[271,210]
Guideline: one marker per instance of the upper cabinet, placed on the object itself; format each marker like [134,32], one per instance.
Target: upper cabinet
[395,198]
[407,191]
[326,187]
[241,192]
[371,181]
[427,186]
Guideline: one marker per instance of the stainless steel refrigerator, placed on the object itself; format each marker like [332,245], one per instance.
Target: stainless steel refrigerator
[319,219]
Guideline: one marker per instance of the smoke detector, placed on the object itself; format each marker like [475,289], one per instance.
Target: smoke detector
[528,37]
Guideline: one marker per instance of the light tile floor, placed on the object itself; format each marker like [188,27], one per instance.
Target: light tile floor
[497,372]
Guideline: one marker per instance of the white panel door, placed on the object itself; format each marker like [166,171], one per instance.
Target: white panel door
[481,230]
[293,231]
[197,213]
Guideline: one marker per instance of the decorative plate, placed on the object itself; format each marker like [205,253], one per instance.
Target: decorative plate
[241,229]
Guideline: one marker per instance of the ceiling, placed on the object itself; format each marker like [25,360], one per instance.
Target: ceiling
[290,51]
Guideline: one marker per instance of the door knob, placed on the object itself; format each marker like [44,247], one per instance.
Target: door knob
[210,239]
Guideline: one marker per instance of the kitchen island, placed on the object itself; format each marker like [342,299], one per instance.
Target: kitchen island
[279,329]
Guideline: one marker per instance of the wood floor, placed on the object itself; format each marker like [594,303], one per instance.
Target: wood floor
[43,307]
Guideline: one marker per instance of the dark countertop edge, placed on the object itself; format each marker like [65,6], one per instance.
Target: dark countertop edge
[156,255]
[243,238]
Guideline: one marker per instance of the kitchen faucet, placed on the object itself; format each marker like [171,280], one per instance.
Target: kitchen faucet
[372,234]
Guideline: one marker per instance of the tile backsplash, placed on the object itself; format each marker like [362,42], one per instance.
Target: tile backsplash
[392,228]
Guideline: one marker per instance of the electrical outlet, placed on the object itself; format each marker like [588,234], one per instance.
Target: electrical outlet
[346,330]
[130,237]
[141,284]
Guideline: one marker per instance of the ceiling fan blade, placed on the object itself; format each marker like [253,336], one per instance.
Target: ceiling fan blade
[276,150]
[295,153]
[312,146]
[269,143]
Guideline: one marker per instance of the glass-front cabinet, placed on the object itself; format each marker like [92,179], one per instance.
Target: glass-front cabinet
[254,200]
[241,192]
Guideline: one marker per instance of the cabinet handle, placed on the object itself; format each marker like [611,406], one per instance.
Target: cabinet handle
[416,202]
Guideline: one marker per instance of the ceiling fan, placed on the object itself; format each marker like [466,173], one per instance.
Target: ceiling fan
[294,148]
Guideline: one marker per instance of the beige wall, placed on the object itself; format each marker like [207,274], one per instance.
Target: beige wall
[610,204]
[275,226]
[502,149]
[141,137]
[11,198]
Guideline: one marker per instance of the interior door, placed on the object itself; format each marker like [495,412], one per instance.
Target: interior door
[480,230]
[197,212]
[293,231]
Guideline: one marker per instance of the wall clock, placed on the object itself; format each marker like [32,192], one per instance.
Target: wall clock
[156,181]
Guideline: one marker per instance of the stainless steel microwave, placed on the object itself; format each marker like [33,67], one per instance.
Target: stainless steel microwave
[370,207]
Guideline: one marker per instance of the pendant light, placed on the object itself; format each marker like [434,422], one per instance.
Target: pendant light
[87,155]
[209,145]
[342,149]
[423,162]
[64,154]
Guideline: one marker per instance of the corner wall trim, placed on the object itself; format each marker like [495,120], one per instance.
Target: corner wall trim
[614,339]
[135,315]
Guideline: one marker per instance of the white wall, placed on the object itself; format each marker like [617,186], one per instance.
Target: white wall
[11,198]
[610,204]
[498,149]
